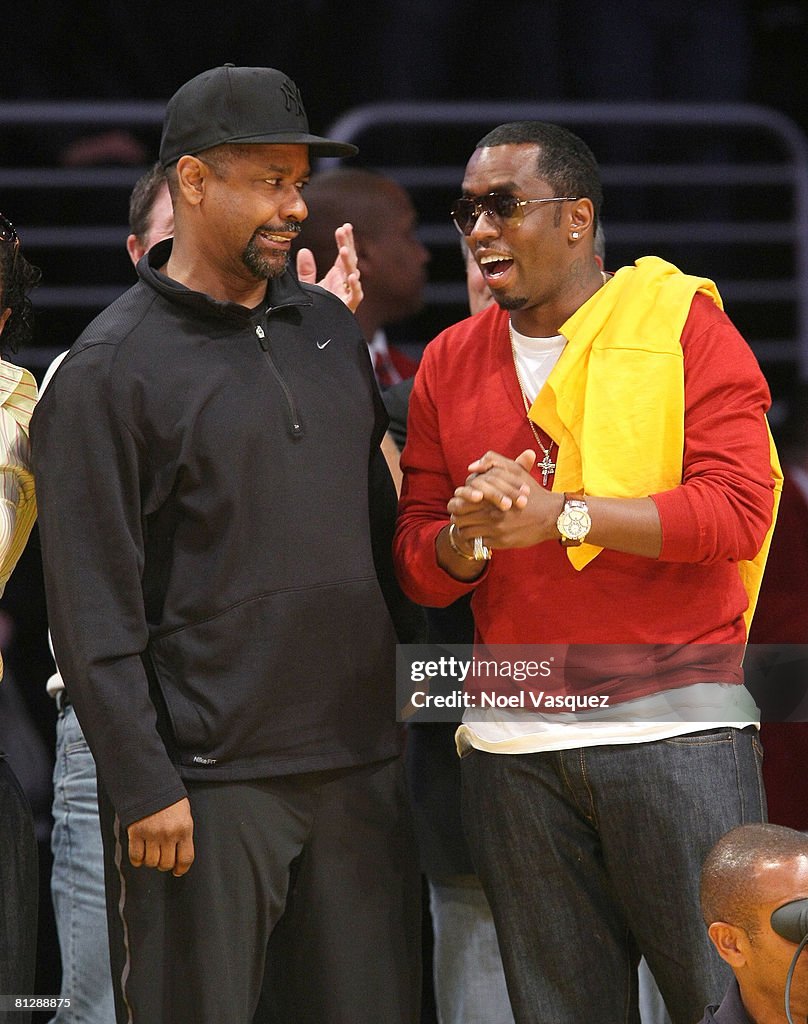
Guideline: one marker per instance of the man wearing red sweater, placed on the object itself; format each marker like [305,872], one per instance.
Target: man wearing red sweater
[590,459]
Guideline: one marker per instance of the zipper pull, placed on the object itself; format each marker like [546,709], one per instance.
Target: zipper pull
[262,337]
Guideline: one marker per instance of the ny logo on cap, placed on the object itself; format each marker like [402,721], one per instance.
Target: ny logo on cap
[291,94]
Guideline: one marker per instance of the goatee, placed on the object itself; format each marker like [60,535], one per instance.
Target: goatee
[510,302]
[261,266]
[265,266]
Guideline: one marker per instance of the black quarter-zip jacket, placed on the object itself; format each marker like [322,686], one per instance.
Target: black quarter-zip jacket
[208,529]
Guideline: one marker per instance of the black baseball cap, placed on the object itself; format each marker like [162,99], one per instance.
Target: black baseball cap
[239,105]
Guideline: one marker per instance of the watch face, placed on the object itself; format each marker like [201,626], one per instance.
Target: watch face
[574,523]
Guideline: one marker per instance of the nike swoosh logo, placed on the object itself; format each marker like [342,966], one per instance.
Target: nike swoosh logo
[322,344]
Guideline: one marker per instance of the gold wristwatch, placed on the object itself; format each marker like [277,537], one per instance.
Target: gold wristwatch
[574,522]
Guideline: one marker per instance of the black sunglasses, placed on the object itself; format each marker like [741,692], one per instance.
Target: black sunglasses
[496,206]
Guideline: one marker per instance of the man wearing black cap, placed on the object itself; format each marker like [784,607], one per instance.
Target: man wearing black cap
[215,515]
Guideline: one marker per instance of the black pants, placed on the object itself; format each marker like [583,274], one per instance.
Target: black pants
[302,907]
[19,882]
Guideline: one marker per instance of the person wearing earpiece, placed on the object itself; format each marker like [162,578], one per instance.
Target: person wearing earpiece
[754,900]
[589,458]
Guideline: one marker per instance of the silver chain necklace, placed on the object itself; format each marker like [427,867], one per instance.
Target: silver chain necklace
[547,466]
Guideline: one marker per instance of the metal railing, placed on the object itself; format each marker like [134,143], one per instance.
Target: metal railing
[764,153]
[756,233]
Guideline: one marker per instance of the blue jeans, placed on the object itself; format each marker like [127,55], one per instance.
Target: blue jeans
[468,978]
[77,881]
[652,1005]
[590,857]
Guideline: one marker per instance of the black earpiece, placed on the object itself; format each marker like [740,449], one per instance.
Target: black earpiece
[791,920]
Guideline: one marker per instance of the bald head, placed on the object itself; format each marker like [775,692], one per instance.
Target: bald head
[353,195]
[391,258]
[733,879]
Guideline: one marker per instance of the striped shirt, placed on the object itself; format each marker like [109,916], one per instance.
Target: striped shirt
[18,395]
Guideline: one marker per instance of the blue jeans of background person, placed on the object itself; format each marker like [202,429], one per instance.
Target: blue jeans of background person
[18,892]
[469,981]
[592,856]
[77,881]
[652,1005]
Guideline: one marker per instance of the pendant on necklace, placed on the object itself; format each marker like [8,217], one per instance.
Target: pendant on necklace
[547,467]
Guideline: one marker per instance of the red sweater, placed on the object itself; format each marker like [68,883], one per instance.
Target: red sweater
[466,400]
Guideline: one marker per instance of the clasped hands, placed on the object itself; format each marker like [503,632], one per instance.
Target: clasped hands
[502,503]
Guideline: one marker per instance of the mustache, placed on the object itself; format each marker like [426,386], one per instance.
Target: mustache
[291,226]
